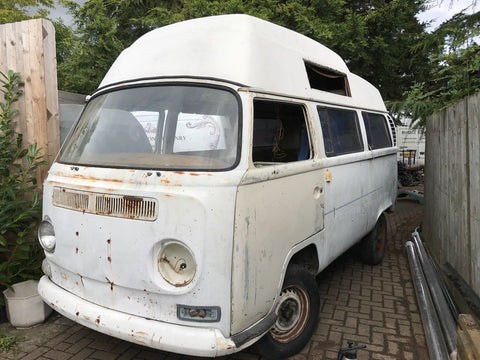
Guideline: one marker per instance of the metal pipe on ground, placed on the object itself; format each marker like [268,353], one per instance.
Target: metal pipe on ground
[433,281]
[431,325]
[445,291]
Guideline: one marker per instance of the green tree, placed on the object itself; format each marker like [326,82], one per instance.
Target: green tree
[454,70]
[95,47]
[381,46]
[64,41]
[12,11]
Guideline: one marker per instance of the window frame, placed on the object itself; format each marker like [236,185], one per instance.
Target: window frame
[328,80]
[206,85]
[306,126]
[333,138]
[386,130]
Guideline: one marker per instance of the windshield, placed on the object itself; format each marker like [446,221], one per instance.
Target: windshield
[157,127]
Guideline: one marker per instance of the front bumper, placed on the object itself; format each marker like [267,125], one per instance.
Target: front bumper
[208,342]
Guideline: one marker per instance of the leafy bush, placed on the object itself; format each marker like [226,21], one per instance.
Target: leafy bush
[20,204]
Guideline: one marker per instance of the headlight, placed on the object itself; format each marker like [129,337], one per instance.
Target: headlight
[46,235]
[176,263]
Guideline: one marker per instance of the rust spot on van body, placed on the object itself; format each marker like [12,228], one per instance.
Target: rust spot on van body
[92,178]
[200,174]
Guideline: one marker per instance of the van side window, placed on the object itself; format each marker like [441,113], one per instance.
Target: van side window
[376,126]
[341,133]
[279,133]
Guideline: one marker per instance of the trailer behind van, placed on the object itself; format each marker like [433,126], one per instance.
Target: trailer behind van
[222,163]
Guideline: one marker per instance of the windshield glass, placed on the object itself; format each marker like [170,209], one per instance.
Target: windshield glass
[157,127]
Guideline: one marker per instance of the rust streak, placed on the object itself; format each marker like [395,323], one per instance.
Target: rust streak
[92,178]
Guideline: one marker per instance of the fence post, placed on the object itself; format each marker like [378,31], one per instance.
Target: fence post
[28,47]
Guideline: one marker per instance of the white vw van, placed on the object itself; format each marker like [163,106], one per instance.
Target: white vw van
[222,163]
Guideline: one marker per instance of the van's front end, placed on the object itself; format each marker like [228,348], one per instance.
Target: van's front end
[138,215]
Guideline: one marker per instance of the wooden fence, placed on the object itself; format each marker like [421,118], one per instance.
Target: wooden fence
[452,188]
[28,47]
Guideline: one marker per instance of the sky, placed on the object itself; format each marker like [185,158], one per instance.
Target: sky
[440,11]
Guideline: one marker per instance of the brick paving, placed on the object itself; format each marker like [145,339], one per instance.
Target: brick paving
[371,305]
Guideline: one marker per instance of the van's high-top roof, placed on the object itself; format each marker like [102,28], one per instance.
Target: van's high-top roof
[245,50]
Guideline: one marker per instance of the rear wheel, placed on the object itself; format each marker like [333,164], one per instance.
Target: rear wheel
[374,244]
[297,314]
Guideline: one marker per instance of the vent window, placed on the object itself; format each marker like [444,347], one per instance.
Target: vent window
[327,80]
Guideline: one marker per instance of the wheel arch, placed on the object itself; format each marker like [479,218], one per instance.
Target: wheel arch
[306,257]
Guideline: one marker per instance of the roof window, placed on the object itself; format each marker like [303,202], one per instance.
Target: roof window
[327,80]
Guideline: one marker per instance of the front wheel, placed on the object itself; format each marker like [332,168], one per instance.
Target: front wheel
[297,314]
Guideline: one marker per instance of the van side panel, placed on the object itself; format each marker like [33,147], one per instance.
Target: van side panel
[346,214]
[359,190]
[383,168]
[273,213]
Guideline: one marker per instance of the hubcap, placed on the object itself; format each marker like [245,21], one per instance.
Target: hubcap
[292,314]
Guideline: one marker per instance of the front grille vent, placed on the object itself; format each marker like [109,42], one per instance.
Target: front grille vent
[124,206]
[70,199]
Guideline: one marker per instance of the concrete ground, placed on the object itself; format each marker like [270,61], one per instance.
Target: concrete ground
[374,306]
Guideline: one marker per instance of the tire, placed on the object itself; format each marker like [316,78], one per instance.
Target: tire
[374,245]
[297,310]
